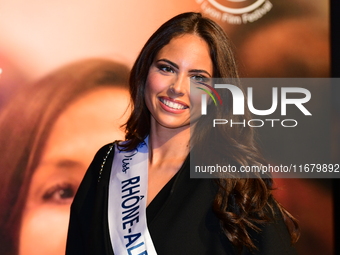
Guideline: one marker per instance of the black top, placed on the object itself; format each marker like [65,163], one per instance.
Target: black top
[180,219]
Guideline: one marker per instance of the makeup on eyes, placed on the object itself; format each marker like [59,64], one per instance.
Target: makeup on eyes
[60,193]
[171,65]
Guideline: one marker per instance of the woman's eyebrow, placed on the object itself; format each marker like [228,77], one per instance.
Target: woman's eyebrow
[68,163]
[199,71]
[176,66]
[169,62]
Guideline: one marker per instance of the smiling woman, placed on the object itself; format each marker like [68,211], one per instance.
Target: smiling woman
[137,196]
[51,131]
[173,107]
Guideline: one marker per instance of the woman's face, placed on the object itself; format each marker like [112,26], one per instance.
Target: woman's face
[87,124]
[167,94]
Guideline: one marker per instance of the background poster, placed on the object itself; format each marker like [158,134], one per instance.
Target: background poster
[272,39]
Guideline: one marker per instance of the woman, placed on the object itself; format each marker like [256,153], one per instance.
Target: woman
[137,196]
[49,133]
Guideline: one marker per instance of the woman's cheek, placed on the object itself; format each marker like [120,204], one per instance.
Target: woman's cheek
[45,220]
[44,231]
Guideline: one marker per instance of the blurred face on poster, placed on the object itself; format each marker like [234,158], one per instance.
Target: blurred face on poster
[77,134]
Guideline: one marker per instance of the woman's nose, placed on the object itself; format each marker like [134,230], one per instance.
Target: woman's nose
[180,85]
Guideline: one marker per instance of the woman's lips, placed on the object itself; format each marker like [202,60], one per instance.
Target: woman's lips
[171,105]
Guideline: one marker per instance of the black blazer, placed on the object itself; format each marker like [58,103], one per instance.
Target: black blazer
[180,218]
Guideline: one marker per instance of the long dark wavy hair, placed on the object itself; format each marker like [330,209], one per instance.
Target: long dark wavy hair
[241,204]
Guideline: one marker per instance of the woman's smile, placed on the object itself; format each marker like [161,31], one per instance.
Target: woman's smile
[183,60]
[171,105]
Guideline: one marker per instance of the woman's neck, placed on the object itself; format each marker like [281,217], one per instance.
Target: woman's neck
[168,149]
[168,144]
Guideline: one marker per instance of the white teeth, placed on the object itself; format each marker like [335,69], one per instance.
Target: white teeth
[172,104]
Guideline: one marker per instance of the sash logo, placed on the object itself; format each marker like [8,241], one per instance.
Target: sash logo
[235,12]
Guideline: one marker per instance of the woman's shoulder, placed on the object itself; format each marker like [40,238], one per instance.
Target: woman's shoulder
[102,161]
[104,158]
[96,173]
[104,151]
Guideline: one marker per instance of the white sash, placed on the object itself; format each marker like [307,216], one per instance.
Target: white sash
[127,202]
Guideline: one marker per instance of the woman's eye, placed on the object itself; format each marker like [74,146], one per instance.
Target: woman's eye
[166,68]
[60,194]
[199,78]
